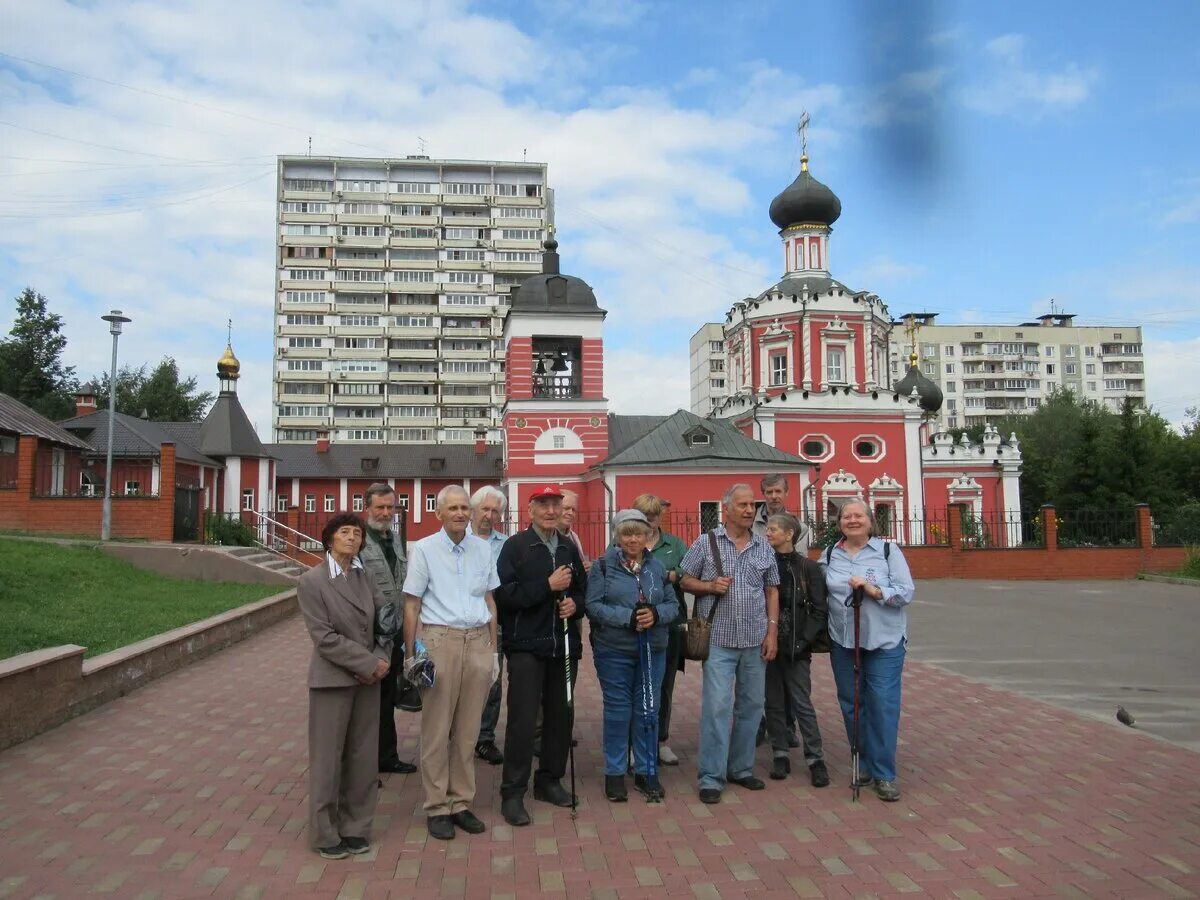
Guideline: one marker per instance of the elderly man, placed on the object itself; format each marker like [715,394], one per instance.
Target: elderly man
[540,596]
[775,491]
[448,602]
[487,518]
[566,525]
[744,587]
[384,559]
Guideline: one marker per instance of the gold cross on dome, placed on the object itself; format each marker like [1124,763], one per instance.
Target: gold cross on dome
[229,331]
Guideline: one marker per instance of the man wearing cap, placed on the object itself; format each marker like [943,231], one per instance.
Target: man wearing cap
[448,603]
[541,590]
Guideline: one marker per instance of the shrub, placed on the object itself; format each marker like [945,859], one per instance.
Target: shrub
[219,529]
[1191,565]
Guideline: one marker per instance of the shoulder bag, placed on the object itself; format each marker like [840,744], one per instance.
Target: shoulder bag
[698,630]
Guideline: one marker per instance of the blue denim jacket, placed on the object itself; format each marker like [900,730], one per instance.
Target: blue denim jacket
[612,594]
[883,624]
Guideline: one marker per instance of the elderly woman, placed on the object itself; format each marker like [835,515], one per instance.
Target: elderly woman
[630,603]
[861,560]
[338,600]
[802,621]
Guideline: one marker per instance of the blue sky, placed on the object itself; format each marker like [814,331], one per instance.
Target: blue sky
[989,157]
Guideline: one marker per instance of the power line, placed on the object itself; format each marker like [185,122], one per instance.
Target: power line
[62,137]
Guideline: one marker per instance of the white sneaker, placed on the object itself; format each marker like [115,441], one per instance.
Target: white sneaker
[666,756]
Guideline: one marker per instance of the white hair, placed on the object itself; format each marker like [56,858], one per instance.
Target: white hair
[488,492]
[570,494]
[443,495]
[727,500]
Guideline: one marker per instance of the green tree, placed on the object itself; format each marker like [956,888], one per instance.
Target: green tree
[31,366]
[160,393]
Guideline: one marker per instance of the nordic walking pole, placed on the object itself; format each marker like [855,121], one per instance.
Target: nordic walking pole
[649,713]
[856,599]
[570,709]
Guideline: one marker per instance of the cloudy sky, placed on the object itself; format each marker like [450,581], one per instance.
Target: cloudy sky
[989,157]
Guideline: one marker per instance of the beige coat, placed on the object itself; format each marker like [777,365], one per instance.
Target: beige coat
[340,615]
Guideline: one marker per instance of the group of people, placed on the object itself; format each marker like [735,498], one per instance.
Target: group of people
[474,602]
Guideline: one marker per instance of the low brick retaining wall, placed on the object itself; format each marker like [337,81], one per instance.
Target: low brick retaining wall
[44,688]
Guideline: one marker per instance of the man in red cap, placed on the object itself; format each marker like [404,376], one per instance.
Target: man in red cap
[542,585]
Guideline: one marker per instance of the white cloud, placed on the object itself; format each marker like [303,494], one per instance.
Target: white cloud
[1173,376]
[644,382]
[1009,85]
[882,273]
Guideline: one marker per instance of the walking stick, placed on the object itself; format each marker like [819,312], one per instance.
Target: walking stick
[570,709]
[855,601]
[649,713]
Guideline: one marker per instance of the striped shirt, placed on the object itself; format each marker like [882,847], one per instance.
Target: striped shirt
[741,617]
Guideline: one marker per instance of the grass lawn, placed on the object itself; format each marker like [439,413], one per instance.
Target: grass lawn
[51,594]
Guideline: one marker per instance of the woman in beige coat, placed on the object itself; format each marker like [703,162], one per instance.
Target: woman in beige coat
[338,601]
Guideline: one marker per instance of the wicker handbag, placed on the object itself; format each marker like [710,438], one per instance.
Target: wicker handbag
[698,630]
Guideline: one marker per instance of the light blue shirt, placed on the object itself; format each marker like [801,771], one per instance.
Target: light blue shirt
[451,580]
[335,570]
[495,541]
[883,624]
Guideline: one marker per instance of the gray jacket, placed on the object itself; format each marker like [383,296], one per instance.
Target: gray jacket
[390,582]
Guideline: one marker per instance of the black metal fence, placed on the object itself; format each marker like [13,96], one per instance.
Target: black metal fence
[1097,528]
[1002,530]
[1177,527]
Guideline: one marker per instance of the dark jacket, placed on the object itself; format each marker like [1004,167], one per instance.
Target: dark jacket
[612,596]
[527,607]
[803,607]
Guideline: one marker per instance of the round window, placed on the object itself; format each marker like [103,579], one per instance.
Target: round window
[866,448]
[813,448]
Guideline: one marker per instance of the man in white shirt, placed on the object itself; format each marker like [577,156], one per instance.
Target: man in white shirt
[448,604]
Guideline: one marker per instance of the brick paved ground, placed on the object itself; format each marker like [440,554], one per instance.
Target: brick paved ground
[195,786]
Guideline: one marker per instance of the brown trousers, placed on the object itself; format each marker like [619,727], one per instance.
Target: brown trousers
[462,659]
[343,770]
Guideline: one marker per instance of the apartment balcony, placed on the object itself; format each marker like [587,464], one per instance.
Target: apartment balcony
[1124,368]
[342,263]
[412,421]
[360,241]
[1131,387]
[302,421]
[427,243]
[427,332]
[285,307]
[326,196]
[361,287]
[498,200]
[402,197]
[413,377]
[517,222]
[291,218]
[486,353]
[412,287]
[361,196]
[422,355]
[356,422]
[286,330]
[462,265]
[532,244]
[376,308]
[287,352]
[363,377]
[432,220]
[450,332]
[293,284]
[371,331]
[467,221]
[507,267]
[348,353]
[467,377]
[361,400]
[285,374]
[471,201]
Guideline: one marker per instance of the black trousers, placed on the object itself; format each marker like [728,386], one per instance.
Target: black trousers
[536,682]
[387,706]
[674,655]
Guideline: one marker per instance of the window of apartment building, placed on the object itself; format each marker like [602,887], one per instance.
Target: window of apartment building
[522,256]
[717,384]
[1089,351]
[413,231]
[358,412]
[451,212]
[951,406]
[361,434]
[359,343]
[415,253]
[430,502]
[473,255]
[297,434]
[374,231]
[306,207]
[463,187]
[716,365]
[1051,387]
[466,390]
[304,343]
[978,335]
[358,388]
[929,368]
[306,253]
[835,365]
[465,277]
[305,365]
[305,320]
[464,345]
[306,274]
[1049,350]
[458,233]
[520,234]
[463,367]
[360,321]
[292,228]
[304,296]
[1069,352]
[413,412]
[518,212]
[411,209]
[510,279]
[413,367]
[310,503]
[410,344]
[305,411]
[411,435]
[412,187]
[465,300]
[518,190]
[1115,384]
[779,368]
[360,275]
[1070,369]
[1033,402]
[1049,368]
[951,387]
[404,275]
[716,346]
[358,365]
[307,184]
[1091,386]
[413,322]
[948,350]
[1015,384]
[301,387]
[928,350]
[949,368]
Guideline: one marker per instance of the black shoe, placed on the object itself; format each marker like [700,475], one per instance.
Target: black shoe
[614,788]
[440,827]
[468,822]
[408,698]
[887,791]
[398,766]
[650,786]
[489,752]
[710,795]
[819,774]
[749,782]
[513,810]
[551,792]
[356,845]
[337,851]
[781,767]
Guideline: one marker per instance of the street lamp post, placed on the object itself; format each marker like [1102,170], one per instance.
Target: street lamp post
[115,320]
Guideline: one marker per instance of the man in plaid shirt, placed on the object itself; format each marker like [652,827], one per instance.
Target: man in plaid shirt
[743,641]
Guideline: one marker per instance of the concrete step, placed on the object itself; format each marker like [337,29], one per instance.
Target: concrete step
[243,551]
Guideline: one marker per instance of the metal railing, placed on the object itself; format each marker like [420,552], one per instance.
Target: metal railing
[1097,528]
[1177,527]
[251,528]
[1002,530]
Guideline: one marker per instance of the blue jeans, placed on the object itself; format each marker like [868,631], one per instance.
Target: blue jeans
[734,683]
[878,705]
[623,685]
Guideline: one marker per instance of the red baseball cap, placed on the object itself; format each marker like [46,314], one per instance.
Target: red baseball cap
[547,492]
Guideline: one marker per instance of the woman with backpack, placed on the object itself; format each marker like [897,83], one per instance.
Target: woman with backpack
[631,605]
[861,560]
[803,614]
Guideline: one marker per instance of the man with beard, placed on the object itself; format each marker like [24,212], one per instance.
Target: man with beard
[385,560]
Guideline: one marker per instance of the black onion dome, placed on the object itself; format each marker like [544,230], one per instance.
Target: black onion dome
[552,292]
[929,395]
[805,202]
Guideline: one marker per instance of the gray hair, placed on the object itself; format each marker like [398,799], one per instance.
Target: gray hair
[632,526]
[787,522]
[775,479]
[378,489]
[858,501]
[727,500]
[443,496]
[567,494]
[488,492]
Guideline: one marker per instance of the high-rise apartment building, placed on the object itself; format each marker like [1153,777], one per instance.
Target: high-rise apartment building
[987,372]
[710,381]
[394,277]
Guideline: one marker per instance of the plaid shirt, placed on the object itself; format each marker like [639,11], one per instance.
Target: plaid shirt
[741,618]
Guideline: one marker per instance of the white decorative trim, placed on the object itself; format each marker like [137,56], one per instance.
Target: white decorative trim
[830,447]
[843,482]
[874,438]
[885,483]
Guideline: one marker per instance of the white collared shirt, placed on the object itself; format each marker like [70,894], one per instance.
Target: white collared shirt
[452,580]
[335,570]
